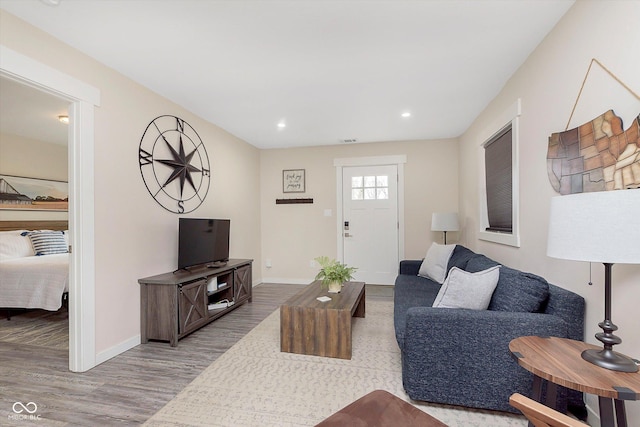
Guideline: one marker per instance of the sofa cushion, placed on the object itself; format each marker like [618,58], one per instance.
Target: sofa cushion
[516,290]
[435,264]
[460,257]
[462,289]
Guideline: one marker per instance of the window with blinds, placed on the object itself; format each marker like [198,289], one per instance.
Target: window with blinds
[499,181]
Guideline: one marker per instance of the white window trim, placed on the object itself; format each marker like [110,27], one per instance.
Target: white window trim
[510,115]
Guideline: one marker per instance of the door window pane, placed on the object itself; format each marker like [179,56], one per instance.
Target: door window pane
[369,193]
[369,181]
[370,187]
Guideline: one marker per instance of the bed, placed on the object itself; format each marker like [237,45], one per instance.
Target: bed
[28,280]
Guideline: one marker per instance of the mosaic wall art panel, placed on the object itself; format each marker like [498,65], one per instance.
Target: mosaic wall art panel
[596,156]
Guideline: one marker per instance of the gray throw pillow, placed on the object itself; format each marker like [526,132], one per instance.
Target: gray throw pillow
[462,289]
[434,265]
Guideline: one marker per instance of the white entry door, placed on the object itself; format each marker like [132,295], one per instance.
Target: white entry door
[370,222]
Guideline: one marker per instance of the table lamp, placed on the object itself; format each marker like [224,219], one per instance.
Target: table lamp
[598,227]
[444,221]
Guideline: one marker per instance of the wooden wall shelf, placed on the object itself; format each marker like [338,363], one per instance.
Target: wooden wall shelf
[292,201]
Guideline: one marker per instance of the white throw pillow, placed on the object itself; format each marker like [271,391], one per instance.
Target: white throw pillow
[14,245]
[434,266]
[468,290]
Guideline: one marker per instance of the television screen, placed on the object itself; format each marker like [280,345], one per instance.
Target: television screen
[203,241]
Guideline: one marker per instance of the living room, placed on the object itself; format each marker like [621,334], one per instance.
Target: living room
[135,238]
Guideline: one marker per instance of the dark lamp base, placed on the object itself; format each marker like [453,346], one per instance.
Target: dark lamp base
[610,359]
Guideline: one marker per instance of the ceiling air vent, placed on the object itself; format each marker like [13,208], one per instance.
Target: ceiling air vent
[349,141]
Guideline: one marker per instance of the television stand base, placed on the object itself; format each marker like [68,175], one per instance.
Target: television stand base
[217,264]
[172,305]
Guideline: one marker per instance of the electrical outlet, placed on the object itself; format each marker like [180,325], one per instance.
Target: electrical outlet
[267,263]
[313,263]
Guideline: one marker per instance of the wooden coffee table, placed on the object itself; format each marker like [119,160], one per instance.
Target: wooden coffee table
[309,326]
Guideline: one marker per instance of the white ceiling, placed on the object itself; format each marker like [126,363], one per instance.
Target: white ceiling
[329,70]
[31,113]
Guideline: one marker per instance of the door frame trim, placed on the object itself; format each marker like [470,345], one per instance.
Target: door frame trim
[83,99]
[340,163]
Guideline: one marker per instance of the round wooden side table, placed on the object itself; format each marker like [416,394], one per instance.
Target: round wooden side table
[558,361]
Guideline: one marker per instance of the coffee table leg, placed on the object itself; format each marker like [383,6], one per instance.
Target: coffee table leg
[606,412]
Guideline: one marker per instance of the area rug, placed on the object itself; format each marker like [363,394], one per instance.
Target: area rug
[254,384]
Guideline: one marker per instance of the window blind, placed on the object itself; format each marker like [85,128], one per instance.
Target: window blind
[498,167]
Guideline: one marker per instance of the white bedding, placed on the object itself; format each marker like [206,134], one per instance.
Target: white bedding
[34,281]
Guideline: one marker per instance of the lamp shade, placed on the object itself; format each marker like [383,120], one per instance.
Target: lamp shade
[447,221]
[601,226]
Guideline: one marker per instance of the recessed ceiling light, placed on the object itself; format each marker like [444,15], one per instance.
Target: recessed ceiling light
[64,119]
[282,125]
[406,114]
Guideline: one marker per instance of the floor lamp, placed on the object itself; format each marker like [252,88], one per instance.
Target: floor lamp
[444,221]
[598,227]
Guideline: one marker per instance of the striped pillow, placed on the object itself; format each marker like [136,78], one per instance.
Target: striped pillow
[48,242]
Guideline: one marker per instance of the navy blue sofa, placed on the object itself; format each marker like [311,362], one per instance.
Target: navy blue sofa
[460,356]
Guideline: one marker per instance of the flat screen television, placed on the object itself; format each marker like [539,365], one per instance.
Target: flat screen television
[203,241]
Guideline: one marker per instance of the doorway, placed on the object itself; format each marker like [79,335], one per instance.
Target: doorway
[371,216]
[34,144]
[83,98]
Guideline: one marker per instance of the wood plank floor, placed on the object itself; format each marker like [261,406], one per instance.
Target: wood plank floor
[131,387]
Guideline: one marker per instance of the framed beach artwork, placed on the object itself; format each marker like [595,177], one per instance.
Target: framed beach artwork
[22,193]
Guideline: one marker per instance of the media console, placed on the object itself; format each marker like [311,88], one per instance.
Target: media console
[173,305]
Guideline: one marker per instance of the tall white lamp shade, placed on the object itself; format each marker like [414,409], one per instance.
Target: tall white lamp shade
[598,227]
[444,221]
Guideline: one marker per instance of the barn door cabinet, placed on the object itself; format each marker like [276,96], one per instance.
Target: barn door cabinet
[173,305]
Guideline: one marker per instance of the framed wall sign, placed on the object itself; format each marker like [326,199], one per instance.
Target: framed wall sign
[23,193]
[293,181]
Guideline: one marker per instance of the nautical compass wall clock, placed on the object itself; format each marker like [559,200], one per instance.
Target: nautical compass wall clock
[174,164]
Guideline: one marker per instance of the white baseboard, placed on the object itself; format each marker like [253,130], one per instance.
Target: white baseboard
[109,353]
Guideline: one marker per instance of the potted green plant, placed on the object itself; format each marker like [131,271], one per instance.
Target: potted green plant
[333,273]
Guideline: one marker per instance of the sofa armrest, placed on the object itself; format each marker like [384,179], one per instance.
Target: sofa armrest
[410,267]
[568,306]
[462,357]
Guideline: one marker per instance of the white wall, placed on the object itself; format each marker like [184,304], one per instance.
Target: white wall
[548,84]
[134,236]
[293,235]
[33,159]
